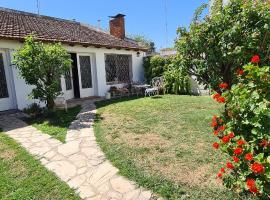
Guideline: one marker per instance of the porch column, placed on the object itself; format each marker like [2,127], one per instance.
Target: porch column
[101,73]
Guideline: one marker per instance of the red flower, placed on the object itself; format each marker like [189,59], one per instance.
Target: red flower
[214,123]
[236,159]
[253,190]
[221,128]
[216,96]
[250,183]
[223,85]
[219,175]
[214,118]
[221,100]
[238,151]
[264,143]
[239,72]
[230,165]
[222,170]
[216,145]
[249,157]
[226,139]
[257,168]
[216,132]
[241,142]
[231,135]
[255,59]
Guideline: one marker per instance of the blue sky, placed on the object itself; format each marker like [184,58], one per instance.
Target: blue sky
[145,17]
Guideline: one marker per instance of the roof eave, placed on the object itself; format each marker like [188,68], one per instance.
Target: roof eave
[85,44]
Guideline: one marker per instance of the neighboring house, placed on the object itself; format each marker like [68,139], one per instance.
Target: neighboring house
[167,52]
[196,88]
[100,59]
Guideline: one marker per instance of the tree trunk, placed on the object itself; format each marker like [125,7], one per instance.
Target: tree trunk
[50,103]
[227,76]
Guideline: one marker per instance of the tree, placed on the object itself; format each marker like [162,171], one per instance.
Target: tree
[144,41]
[214,47]
[42,65]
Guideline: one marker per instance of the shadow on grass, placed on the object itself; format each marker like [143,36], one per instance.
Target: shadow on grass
[58,118]
[55,123]
[103,103]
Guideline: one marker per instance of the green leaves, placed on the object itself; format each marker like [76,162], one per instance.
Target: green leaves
[42,65]
[247,115]
[213,48]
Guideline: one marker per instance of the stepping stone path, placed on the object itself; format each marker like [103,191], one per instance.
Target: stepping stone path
[79,162]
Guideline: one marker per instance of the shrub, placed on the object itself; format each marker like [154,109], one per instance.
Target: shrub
[244,130]
[33,110]
[176,78]
[154,66]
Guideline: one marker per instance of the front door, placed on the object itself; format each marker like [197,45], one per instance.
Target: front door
[85,68]
[6,101]
[75,76]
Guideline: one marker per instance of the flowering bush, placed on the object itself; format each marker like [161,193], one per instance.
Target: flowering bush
[243,130]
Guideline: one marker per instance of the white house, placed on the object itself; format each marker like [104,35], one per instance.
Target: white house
[100,59]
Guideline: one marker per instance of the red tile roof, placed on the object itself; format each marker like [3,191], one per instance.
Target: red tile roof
[17,24]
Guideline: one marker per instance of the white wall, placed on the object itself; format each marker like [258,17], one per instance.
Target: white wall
[99,73]
[197,88]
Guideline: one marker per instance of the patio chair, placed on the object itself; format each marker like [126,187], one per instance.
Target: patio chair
[157,84]
[60,102]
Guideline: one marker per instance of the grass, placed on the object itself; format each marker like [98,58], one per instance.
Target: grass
[24,178]
[56,123]
[164,144]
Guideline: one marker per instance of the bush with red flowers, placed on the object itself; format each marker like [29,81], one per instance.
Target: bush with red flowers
[243,130]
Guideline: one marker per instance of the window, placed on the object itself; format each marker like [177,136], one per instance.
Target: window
[68,80]
[3,82]
[118,68]
[86,74]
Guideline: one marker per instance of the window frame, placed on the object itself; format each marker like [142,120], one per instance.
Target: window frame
[130,68]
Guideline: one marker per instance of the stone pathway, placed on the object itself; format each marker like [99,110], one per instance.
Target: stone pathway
[79,162]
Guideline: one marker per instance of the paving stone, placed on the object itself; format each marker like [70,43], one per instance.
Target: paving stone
[133,194]
[82,170]
[78,159]
[145,195]
[101,176]
[122,185]
[69,148]
[64,169]
[50,154]
[98,197]
[77,181]
[113,195]
[86,191]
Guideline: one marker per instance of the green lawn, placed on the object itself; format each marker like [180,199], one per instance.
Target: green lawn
[164,144]
[57,123]
[24,178]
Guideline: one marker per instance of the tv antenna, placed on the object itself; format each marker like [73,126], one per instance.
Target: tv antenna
[99,23]
[166,23]
[38,6]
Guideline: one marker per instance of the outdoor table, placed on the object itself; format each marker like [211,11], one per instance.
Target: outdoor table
[141,88]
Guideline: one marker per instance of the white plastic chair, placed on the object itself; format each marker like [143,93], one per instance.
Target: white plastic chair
[157,83]
[60,102]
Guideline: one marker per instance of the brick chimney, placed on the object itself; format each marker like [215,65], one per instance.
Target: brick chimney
[117,26]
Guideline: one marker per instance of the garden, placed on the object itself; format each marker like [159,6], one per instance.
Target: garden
[178,146]
[166,143]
